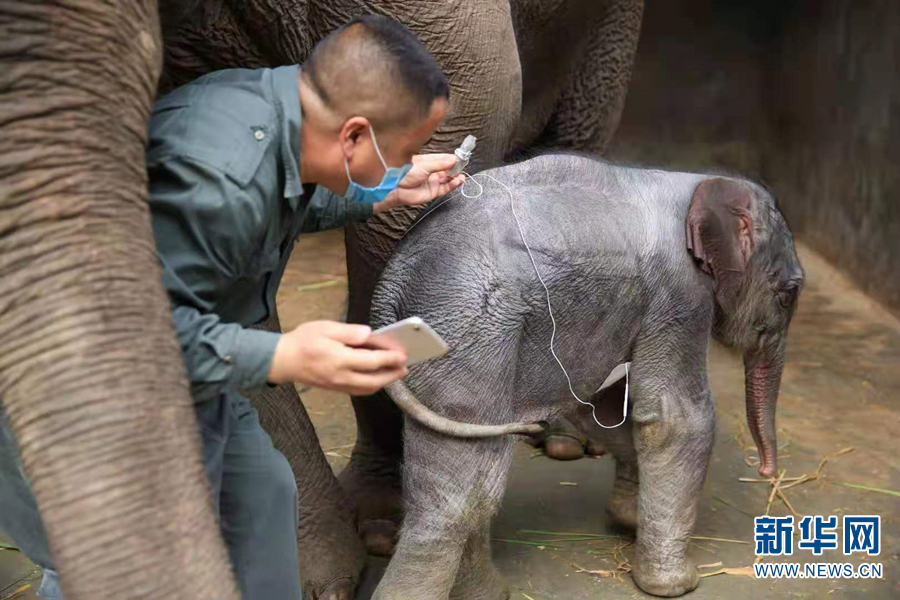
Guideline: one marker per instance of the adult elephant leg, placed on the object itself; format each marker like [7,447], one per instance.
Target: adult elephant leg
[91,376]
[588,110]
[475,44]
[331,554]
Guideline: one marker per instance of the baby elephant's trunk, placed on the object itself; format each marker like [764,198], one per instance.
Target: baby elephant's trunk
[763,379]
[421,414]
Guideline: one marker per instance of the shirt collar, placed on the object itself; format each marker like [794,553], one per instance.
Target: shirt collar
[287,100]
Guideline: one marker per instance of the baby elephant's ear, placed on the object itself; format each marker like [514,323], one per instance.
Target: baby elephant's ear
[719,228]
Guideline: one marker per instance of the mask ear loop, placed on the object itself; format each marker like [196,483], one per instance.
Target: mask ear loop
[377,150]
[347,169]
[537,272]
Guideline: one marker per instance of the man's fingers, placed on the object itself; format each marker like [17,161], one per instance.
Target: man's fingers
[443,177]
[346,333]
[446,188]
[434,162]
[363,360]
[369,383]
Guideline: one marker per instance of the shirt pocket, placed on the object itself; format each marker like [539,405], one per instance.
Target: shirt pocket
[233,143]
[242,163]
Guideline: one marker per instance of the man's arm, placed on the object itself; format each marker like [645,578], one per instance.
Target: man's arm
[221,355]
[426,181]
[206,227]
[327,210]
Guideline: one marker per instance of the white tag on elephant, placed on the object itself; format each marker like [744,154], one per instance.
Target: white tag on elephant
[616,374]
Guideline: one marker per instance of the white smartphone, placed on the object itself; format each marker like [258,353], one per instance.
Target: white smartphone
[415,336]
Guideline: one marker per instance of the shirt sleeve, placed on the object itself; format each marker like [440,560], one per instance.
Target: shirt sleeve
[206,228]
[327,210]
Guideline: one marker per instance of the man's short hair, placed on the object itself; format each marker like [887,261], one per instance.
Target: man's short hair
[376,68]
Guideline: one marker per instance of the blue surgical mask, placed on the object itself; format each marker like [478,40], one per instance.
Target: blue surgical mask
[392,177]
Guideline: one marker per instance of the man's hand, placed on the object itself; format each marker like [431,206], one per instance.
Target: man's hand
[426,181]
[326,354]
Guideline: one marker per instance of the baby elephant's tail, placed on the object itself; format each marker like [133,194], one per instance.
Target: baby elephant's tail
[420,413]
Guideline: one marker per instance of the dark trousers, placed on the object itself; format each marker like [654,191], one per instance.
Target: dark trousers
[254,492]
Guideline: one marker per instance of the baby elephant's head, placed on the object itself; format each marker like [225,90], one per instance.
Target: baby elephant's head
[738,237]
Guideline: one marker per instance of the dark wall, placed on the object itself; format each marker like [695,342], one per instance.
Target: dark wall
[804,95]
[838,136]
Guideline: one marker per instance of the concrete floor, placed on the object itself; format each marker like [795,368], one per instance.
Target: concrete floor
[841,389]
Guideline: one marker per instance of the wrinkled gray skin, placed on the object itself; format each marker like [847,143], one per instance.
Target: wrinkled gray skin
[642,265]
[574,59]
[80,299]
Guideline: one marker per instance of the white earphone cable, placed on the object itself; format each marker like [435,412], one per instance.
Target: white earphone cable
[537,272]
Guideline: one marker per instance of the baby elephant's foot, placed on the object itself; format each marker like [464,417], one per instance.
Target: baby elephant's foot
[491,587]
[622,508]
[664,573]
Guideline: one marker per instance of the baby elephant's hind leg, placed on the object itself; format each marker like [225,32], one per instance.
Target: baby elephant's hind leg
[451,489]
[478,578]
[619,441]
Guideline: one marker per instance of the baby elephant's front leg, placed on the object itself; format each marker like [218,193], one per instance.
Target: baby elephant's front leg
[673,436]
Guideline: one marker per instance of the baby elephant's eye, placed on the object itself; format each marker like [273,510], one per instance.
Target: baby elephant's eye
[786,297]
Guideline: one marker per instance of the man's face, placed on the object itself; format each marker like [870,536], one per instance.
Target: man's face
[397,145]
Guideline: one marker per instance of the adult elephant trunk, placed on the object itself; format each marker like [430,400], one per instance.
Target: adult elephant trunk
[763,367]
[91,377]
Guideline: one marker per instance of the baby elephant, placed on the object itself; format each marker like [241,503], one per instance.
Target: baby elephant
[641,266]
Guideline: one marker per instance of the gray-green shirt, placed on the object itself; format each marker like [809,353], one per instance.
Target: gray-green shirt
[227,205]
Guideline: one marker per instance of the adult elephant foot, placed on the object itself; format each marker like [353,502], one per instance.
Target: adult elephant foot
[331,557]
[372,483]
[343,589]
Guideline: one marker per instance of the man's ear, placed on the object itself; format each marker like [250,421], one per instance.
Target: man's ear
[353,131]
[719,229]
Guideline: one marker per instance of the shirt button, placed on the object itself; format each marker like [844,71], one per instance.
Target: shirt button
[259,135]
[228,359]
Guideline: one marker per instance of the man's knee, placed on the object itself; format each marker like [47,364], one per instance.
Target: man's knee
[50,589]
